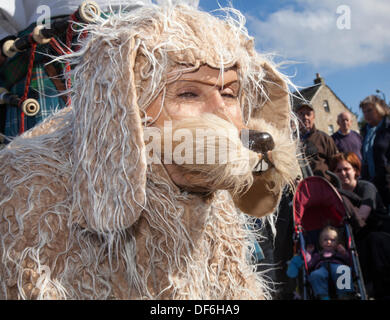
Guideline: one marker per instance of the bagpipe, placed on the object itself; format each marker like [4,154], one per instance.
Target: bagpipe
[87,12]
[30,107]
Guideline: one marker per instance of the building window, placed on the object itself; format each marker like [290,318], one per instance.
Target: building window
[330,129]
[326,106]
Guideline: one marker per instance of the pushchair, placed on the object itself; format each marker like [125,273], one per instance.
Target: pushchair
[317,203]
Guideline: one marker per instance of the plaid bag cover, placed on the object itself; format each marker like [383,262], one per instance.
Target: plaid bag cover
[42,88]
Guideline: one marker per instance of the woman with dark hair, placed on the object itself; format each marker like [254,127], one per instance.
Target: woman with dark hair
[347,167]
[376,145]
[372,233]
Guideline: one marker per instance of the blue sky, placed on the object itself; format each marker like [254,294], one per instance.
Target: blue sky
[346,41]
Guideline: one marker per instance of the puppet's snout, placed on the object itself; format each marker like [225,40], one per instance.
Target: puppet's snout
[259,142]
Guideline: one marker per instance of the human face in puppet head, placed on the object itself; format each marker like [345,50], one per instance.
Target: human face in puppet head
[206,91]
[203,91]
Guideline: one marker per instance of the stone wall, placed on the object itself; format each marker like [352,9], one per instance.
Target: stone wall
[323,118]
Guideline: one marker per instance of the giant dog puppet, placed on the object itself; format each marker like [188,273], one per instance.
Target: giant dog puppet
[85,215]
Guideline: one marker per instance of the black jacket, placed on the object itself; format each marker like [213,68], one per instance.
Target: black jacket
[381,149]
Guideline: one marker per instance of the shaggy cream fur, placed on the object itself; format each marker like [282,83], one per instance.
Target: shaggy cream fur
[82,213]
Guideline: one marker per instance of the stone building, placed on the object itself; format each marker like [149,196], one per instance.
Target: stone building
[327,105]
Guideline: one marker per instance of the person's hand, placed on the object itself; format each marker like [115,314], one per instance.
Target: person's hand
[310,248]
[362,214]
[341,249]
[361,221]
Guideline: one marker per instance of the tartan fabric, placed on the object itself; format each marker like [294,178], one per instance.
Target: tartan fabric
[15,68]
[13,77]
[42,86]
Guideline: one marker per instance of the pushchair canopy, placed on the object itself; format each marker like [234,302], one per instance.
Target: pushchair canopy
[317,203]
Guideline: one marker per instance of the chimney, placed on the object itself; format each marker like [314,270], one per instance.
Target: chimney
[318,79]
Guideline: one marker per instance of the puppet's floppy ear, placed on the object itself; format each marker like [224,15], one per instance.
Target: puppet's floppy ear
[276,108]
[109,160]
[272,117]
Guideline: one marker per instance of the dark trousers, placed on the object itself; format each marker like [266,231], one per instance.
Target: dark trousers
[374,256]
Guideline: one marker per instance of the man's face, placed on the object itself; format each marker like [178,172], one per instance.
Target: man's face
[345,122]
[203,91]
[306,115]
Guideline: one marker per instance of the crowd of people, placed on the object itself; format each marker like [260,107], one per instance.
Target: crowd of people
[360,163]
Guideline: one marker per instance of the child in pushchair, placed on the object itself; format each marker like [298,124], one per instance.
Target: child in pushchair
[316,206]
[330,264]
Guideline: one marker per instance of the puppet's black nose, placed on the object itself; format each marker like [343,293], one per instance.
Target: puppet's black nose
[257,141]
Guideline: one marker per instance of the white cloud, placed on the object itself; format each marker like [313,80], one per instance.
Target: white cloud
[312,34]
